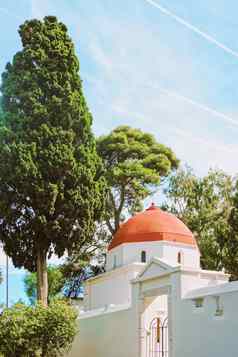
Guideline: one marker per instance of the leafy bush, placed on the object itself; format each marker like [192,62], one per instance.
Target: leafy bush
[37,331]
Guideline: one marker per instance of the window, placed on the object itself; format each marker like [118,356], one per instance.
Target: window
[219,307]
[143,257]
[158,330]
[180,258]
[198,303]
[114,261]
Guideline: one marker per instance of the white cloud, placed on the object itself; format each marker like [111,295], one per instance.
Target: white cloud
[126,71]
[123,55]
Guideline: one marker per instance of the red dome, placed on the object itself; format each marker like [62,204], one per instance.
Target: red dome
[153,225]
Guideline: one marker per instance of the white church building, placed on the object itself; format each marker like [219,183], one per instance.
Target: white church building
[154,300]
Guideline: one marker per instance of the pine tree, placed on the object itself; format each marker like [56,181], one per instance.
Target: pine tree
[135,164]
[51,183]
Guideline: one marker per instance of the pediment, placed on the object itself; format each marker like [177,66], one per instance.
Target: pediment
[156,267]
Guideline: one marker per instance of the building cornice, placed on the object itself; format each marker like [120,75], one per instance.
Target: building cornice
[116,272]
[161,242]
[169,269]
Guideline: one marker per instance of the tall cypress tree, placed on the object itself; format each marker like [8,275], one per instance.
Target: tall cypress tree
[51,183]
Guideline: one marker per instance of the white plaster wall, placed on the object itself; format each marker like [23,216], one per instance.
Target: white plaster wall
[184,337]
[131,252]
[118,253]
[111,288]
[120,331]
[199,333]
[192,280]
[154,307]
[190,255]
[113,334]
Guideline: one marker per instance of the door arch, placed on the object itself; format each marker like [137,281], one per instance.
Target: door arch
[157,342]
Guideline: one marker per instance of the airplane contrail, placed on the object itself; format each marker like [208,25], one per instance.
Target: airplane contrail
[193,28]
[201,106]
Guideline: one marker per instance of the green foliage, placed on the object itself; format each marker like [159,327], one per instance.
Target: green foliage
[51,183]
[231,256]
[204,205]
[56,282]
[2,115]
[37,331]
[76,271]
[135,164]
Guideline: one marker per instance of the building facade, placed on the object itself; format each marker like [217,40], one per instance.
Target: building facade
[154,300]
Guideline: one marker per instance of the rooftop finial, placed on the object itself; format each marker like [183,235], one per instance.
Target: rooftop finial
[152,206]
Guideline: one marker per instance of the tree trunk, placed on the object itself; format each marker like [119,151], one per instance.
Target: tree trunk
[42,278]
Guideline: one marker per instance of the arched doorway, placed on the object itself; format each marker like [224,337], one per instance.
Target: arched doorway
[157,344]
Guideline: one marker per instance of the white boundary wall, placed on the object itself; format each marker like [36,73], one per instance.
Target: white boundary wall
[199,332]
[111,288]
[107,333]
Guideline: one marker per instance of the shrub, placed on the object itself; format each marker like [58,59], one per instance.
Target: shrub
[27,331]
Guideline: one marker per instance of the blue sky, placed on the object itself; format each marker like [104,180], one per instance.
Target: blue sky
[129,50]
[16,286]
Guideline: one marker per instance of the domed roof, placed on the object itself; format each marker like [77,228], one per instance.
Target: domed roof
[153,225]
